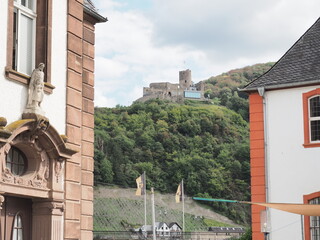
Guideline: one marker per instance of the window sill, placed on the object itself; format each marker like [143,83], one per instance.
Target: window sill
[311,145]
[24,79]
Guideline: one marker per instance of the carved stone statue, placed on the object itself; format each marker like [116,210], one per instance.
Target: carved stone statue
[35,91]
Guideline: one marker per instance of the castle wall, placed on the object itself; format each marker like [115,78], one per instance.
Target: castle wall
[172,91]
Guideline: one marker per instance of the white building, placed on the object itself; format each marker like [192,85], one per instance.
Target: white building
[162,229]
[285,140]
[175,229]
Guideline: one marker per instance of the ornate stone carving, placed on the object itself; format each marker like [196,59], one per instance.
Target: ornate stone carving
[35,91]
[44,151]
[7,176]
[42,176]
[40,126]
[39,179]
[58,169]
[57,206]
[1,201]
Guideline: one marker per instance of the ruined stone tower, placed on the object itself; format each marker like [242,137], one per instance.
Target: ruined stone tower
[185,79]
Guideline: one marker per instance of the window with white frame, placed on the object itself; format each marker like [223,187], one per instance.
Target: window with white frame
[29,40]
[24,30]
[314,118]
[315,222]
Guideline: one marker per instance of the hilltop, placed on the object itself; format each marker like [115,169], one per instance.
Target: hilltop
[223,89]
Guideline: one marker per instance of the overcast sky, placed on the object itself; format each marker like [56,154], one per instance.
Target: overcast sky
[148,41]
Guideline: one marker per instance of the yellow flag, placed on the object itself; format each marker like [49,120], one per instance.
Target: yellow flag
[179,194]
[140,185]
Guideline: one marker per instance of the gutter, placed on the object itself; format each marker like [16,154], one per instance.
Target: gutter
[94,14]
[279,86]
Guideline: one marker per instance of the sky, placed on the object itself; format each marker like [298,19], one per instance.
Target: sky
[147,41]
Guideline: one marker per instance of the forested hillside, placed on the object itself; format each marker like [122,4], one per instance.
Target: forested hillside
[223,89]
[206,144]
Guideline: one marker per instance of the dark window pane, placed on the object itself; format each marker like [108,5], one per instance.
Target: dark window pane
[16,161]
[315,130]
[314,222]
[14,39]
[315,107]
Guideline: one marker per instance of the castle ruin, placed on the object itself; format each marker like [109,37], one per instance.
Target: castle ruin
[185,89]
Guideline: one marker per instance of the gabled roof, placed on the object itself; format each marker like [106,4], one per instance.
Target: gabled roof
[299,66]
[161,224]
[174,223]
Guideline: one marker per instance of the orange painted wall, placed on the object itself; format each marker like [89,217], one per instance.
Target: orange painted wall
[257,161]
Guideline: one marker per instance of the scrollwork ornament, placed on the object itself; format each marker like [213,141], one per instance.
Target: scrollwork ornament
[7,176]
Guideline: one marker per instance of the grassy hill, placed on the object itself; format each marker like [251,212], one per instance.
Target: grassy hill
[118,209]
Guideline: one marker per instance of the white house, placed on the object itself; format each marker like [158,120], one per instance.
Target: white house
[175,229]
[285,140]
[162,229]
[46,121]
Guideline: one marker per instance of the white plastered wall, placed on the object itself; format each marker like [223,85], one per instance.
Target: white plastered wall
[55,104]
[14,95]
[293,169]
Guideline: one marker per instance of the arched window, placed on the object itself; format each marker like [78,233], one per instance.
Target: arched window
[311,112]
[314,118]
[16,161]
[17,231]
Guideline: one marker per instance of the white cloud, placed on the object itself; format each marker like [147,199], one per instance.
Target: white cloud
[107,68]
[152,43]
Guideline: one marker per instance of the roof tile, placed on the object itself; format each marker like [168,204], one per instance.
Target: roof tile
[300,65]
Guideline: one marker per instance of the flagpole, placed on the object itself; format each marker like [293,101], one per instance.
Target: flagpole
[153,215]
[302,230]
[182,190]
[145,199]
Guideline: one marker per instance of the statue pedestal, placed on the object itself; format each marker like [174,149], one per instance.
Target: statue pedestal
[34,110]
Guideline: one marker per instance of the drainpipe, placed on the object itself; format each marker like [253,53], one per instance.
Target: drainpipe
[261,92]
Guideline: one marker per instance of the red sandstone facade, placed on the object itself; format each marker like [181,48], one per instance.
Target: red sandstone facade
[50,186]
[80,123]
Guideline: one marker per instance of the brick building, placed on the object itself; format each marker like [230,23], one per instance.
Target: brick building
[46,152]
